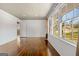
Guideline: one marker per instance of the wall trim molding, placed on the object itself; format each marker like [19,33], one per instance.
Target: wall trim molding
[34,18]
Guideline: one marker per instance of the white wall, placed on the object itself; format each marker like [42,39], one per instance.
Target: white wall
[8,27]
[63,47]
[33,28]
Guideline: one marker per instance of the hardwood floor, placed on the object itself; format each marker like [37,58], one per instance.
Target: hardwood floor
[34,47]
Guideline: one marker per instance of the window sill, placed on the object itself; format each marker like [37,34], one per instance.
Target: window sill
[66,41]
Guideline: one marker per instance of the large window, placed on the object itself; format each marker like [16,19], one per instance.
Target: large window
[66,23]
[70,25]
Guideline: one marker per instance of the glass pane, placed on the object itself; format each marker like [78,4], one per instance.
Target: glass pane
[75,24]
[64,18]
[63,29]
[76,12]
[55,28]
[70,14]
[56,31]
[67,30]
[50,25]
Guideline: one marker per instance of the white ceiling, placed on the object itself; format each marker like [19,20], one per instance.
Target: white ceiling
[27,10]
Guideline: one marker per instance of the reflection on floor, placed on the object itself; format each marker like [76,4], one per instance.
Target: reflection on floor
[35,47]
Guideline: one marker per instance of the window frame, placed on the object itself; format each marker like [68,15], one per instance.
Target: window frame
[72,19]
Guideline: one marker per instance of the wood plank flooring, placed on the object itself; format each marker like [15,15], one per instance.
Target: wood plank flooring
[34,47]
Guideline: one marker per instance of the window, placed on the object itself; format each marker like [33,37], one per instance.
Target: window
[50,26]
[75,30]
[69,15]
[70,25]
[67,26]
[64,18]
[76,12]
[55,27]
[67,29]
